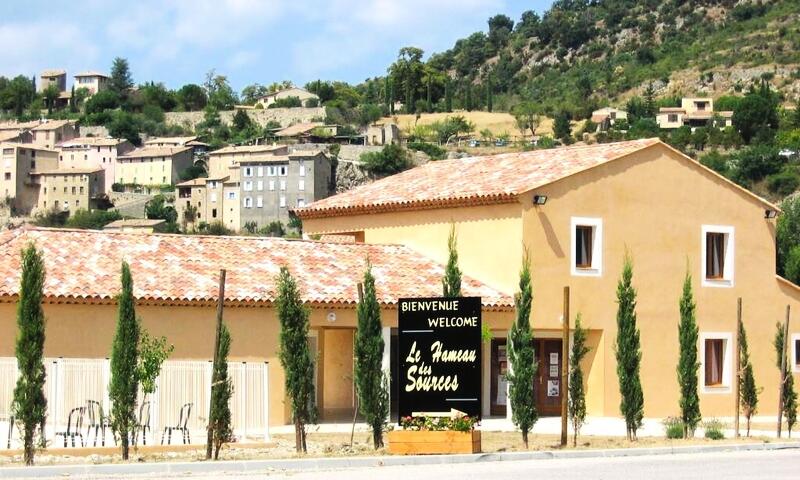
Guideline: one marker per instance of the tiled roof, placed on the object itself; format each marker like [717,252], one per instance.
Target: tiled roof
[91,141]
[19,125]
[91,73]
[148,152]
[69,171]
[246,149]
[85,264]
[178,141]
[298,129]
[135,222]
[471,181]
[52,73]
[53,125]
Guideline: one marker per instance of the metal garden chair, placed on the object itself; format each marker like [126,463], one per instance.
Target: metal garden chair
[181,426]
[74,426]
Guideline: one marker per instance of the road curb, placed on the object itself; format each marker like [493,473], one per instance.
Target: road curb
[311,464]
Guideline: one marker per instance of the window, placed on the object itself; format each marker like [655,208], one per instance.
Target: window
[260,171]
[301,185]
[213,213]
[283,201]
[231,195]
[259,201]
[260,185]
[271,171]
[301,203]
[795,352]
[717,256]
[302,167]
[213,197]
[248,171]
[282,170]
[81,190]
[672,118]
[716,351]
[587,246]
[248,186]
[283,184]
[272,185]
[8,176]
[248,202]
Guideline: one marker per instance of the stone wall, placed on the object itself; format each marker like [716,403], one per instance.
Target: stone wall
[284,116]
[93,131]
[347,153]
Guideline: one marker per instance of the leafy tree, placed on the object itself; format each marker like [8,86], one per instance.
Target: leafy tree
[124,360]
[295,357]
[522,357]
[241,121]
[787,379]
[500,28]
[124,125]
[390,160]
[369,114]
[101,101]
[787,233]
[754,163]
[687,362]
[286,102]
[628,352]
[756,117]
[373,396]
[220,94]
[576,407]
[121,81]
[748,392]
[251,93]
[153,352]
[192,97]
[561,126]
[451,282]
[30,405]
[50,95]
[158,208]
[18,94]
[92,219]
[527,117]
[221,394]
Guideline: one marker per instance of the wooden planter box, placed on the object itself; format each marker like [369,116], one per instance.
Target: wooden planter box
[421,442]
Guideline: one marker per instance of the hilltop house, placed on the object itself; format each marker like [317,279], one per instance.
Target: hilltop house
[70,189]
[93,152]
[382,134]
[605,117]
[92,81]
[300,93]
[578,211]
[152,166]
[693,112]
[52,132]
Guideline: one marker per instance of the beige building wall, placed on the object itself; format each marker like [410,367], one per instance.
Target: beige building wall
[70,190]
[147,170]
[231,205]
[221,161]
[90,155]
[18,161]
[49,135]
[652,204]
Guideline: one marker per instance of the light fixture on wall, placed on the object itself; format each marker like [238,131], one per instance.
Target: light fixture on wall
[331,317]
[539,199]
[769,213]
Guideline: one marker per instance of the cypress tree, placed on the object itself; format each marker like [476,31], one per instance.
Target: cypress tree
[124,359]
[687,363]
[628,353]
[787,380]
[30,405]
[410,107]
[373,396]
[391,96]
[468,96]
[295,357]
[576,406]
[523,361]
[221,393]
[387,94]
[448,95]
[748,392]
[451,282]
[489,94]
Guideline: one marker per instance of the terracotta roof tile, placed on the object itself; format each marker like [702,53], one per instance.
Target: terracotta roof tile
[84,264]
[475,180]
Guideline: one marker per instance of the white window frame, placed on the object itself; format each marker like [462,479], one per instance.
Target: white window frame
[302,168]
[231,195]
[283,185]
[727,362]
[260,171]
[301,185]
[248,171]
[282,171]
[730,244]
[596,269]
[283,201]
[248,202]
[272,185]
[248,186]
[260,201]
[793,351]
[260,185]
[301,202]
[270,171]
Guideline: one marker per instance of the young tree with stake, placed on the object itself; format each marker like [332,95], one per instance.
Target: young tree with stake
[124,360]
[522,359]
[687,362]
[787,380]
[221,393]
[30,405]
[373,397]
[748,392]
[295,356]
[577,396]
[629,353]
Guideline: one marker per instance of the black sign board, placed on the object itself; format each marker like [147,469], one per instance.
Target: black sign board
[439,348]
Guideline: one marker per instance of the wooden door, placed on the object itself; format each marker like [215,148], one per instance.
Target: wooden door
[548,387]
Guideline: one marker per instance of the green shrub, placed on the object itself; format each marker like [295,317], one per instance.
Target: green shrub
[435,152]
[392,159]
[673,427]
[92,220]
[714,429]
[783,183]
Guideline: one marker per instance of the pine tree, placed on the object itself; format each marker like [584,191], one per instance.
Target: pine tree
[124,359]
[448,95]
[451,283]
[577,396]
[628,353]
[522,359]
[30,405]
[373,398]
[295,357]
[748,392]
[221,393]
[687,363]
[788,392]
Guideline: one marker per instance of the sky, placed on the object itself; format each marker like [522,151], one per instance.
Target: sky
[249,41]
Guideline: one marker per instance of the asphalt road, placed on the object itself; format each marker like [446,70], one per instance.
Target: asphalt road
[761,465]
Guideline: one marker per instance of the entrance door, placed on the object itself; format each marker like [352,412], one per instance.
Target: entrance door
[499,368]
[548,389]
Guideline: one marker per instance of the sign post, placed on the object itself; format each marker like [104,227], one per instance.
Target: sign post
[439,343]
